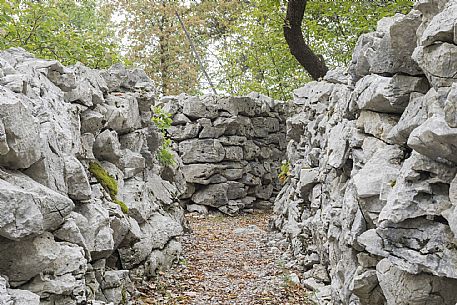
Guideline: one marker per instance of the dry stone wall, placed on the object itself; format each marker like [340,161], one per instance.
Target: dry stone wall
[370,205]
[231,149]
[64,238]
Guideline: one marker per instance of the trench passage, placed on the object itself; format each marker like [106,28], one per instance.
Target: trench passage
[228,260]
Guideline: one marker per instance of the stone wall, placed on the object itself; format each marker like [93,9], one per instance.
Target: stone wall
[231,149]
[64,237]
[370,207]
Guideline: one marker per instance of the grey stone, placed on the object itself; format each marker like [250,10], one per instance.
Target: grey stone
[162,259]
[380,169]
[76,179]
[201,151]
[122,113]
[389,49]
[64,276]
[89,87]
[214,195]
[201,209]
[184,132]
[233,153]
[414,115]
[95,228]
[419,190]
[435,139]
[29,207]
[313,92]
[4,149]
[387,94]
[193,108]
[414,289]
[377,124]
[92,121]
[107,146]
[23,260]
[23,297]
[441,28]
[155,234]
[450,108]
[21,129]
[437,62]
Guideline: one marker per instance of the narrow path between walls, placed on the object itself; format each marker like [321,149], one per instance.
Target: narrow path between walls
[228,260]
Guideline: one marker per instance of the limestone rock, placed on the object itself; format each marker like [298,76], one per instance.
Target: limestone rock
[122,113]
[107,146]
[380,169]
[214,195]
[377,124]
[76,179]
[95,228]
[386,94]
[437,62]
[441,28]
[414,289]
[435,139]
[29,207]
[22,260]
[201,151]
[21,130]
[389,49]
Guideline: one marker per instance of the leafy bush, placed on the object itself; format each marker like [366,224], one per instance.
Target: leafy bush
[284,172]
[163,120]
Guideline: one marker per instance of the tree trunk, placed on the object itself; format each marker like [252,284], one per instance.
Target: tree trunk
[314,64]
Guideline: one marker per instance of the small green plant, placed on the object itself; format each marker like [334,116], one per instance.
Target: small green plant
[108,183]
[163,120]
[164,155]
[392,183]
[124,295]
[284,172]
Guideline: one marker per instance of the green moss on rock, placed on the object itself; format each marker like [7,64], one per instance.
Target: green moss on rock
[124,207]
[104,178]
[108,183]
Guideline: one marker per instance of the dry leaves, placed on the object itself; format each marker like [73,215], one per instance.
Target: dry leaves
[226,260]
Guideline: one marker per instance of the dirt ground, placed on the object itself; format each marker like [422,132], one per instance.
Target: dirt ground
[228,260]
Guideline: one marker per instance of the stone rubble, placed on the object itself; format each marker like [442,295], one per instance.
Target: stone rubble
[369,208]
[64,239]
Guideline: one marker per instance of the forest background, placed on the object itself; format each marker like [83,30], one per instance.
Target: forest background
[240,42]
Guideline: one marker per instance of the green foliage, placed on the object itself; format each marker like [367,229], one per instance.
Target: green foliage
[255,57]
[332,27]
[66,30]
[164,154]
[284,172]
[108,183]
[163,120]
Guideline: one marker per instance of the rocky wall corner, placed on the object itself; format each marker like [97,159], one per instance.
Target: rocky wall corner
[370,205]
[231,150]
[86,208]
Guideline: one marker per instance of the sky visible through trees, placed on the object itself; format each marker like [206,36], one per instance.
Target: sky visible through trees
[241,43]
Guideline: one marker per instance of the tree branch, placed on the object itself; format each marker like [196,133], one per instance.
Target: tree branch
[314,64]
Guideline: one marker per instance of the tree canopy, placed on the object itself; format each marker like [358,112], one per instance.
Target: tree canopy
[242,43]
[66,30]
